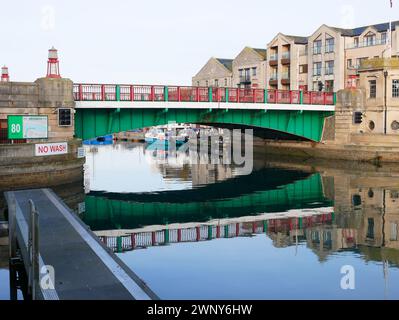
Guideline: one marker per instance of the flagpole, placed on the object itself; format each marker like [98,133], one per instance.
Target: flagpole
[390,31]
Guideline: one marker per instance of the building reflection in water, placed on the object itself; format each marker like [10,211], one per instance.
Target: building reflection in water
[364,218]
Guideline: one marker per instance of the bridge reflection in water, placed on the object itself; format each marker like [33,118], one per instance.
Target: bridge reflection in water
[240,223]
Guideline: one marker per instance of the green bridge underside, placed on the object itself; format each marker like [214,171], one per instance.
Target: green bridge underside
[91,123]
[105,213]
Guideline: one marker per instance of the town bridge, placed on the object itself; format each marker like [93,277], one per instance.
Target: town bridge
[106,109]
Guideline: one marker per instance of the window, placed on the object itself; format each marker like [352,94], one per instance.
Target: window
[356,42]
[370,39]
[395,88]
[373,89]
[198,83]
[216,83]
[370,228]
[207,83]
[384,38]
[317,69]
[303,68]
[359,61]
[254,72]
[240,71]
[330,45]
[329,67]
[394,232]
[329,85]
[225,82]
[349,63]
[356,200]
[317,47]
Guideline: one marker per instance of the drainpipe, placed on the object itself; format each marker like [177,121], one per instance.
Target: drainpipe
[385,101]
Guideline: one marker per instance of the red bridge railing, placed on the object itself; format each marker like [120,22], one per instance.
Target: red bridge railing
[111,92]
[203,232]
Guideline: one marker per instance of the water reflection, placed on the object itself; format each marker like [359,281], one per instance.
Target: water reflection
[283,231]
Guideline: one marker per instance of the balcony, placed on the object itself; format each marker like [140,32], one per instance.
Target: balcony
[285,78]
[273,60]
[273,81]
[286,58]
[245,80]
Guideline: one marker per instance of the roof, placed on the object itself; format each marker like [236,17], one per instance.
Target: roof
[227,63]
[381,27]
[261,52]
[297,39]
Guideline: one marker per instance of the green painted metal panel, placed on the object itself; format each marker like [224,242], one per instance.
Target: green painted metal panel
[166,231]
[166,93]
[90,123]
[118,93]
[226,231]
[210,232]
[118,214]
[119,244]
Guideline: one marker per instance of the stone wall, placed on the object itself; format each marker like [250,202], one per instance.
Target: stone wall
[43,97]
[19,168]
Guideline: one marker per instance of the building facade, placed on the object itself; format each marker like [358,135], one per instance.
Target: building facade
[249,69]
[216,73]
[287,63]
[328,60]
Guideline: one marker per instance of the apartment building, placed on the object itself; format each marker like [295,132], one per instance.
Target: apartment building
[327,60]
[249,69]
[369,42]
[216,73]
[287,63]
[335,54]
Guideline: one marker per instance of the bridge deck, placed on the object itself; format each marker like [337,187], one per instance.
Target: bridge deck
[84,268]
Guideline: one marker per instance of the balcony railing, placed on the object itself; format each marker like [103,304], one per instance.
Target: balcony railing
[148,93]
[286,55]
[367,44]
[285,76]
[245,79]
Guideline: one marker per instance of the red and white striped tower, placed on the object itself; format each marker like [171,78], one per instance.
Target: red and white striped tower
[4,74]
[53,67]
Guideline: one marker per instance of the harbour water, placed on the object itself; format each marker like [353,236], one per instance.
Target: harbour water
[288,230]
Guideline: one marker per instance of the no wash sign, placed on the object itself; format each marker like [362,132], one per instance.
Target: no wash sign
[51,149]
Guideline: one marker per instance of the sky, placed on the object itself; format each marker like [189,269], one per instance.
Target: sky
[158,41]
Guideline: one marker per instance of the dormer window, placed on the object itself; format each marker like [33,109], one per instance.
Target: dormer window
[370,39]
[317,47]
[329,45]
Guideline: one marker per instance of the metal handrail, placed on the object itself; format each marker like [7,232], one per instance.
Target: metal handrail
[149,93]
[33,249]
